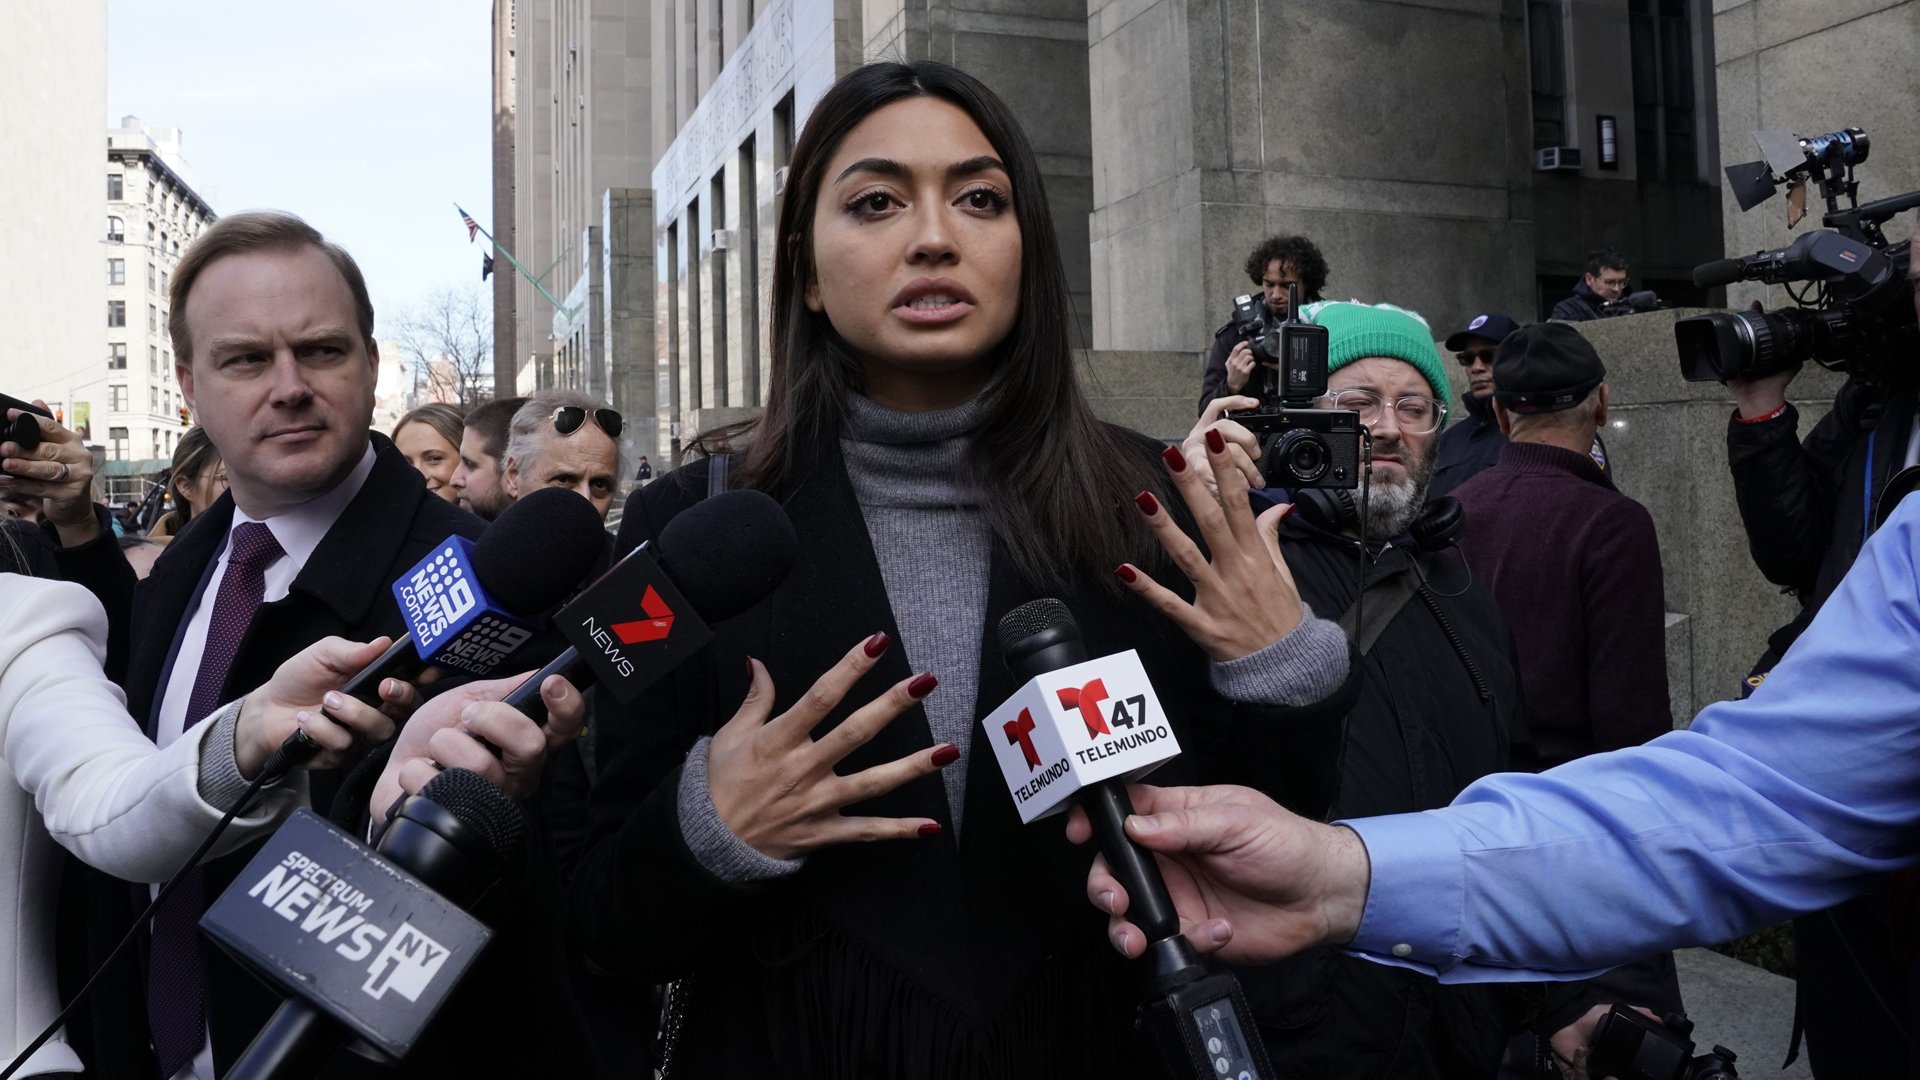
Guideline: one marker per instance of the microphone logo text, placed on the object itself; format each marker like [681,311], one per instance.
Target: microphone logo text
[333,911]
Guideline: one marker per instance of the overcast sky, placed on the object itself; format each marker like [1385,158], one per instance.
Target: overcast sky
[369,119]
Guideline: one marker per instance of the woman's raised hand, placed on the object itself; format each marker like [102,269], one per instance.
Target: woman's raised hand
[774,784]
[1244,598]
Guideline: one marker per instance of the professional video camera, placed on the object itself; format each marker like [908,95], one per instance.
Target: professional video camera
[1632,304]
[1628,1046]
[1299,447]
[1855,310]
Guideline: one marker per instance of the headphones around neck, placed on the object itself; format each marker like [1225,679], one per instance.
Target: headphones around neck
[1437,528]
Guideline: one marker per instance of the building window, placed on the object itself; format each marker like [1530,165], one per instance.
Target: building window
[1547,70]
[117,397]
[153,399]
[717,280]
[153,359]
[748,245]
[116,271]
[153,232]
[116,313]
[150,272]
[1661,32]
[116,189]
[153,319]
[163,283]
[116,230]
[117,443]
[117,356]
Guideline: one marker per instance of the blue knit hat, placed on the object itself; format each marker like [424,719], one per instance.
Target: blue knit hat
[1356,331]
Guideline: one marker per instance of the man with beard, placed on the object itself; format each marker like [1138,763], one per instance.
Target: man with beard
[1437,703]
[478,481]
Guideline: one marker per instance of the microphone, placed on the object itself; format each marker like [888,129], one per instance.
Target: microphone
[1083,729]
[713,561]
[1814,256]
[469,605]
[370,942]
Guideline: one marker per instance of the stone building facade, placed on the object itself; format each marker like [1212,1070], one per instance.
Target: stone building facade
[153,213]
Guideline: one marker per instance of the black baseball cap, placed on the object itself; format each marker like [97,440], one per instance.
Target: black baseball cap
[1544,368]
[1493,327]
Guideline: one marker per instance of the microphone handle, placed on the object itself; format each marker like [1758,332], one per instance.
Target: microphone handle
[399,661]
[298,1041]
[526,696]
[1148,905]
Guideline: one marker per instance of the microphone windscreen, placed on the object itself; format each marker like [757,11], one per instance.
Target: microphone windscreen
[1031,618]
[479,805]
[728,552]
[539,550]
[1717,273]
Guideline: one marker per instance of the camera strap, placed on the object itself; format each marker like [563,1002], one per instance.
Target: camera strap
[1382,609]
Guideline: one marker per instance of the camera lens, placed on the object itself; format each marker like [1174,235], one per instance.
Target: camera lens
[1303,455]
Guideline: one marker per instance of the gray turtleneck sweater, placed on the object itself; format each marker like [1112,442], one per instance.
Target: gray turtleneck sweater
[922,509]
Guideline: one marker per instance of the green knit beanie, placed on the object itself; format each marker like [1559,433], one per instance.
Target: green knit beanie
[1356,331]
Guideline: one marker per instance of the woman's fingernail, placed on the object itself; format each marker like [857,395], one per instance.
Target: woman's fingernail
[922,685]
[931,828]
[1215,443]
[1175,460]
[750,672]
[1285,513]
[1125,573]
[876,645]
[945,754]
[1147,503]
[1104,901]
[333,700]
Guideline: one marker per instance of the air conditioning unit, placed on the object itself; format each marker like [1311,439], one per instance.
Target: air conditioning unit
[722,239]
[1556,158]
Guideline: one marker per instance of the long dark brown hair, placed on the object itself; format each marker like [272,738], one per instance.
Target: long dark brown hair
[1056,482]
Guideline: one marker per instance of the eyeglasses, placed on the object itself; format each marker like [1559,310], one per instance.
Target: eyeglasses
[1414,415]
[568,418]
[1469,357]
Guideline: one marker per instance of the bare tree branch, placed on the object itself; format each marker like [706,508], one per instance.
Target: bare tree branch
[446,344]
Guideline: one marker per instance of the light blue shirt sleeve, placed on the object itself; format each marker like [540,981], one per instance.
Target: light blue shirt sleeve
[1784,803]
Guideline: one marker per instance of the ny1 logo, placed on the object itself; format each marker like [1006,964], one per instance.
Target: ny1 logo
[1088,699]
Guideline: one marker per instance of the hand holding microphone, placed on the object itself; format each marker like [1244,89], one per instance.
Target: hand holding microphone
[446,733]
[293,699]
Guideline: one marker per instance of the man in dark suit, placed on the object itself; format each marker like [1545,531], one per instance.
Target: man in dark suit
[272,329]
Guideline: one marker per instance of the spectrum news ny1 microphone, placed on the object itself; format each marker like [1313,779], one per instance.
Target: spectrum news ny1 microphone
[714,560]
[470,605]
[367,942]
[1081,729]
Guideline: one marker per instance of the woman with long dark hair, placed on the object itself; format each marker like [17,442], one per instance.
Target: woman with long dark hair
[834,878]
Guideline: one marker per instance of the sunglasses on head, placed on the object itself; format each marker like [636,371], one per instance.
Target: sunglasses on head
[568,418]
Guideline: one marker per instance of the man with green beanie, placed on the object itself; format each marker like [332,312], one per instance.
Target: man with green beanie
[1436,707]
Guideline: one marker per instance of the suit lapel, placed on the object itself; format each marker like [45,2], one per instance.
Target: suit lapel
[162,604]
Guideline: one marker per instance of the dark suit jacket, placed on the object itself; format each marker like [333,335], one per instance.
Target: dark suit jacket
[344,590]
[969,955]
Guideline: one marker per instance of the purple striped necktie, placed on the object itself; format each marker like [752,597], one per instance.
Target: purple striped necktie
[177,977]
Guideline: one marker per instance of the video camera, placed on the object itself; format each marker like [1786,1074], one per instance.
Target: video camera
[1299,447]
[1628,1046]
[1855,311]
[1633,303]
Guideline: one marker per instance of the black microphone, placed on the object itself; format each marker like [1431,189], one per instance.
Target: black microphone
[1197,1018]
[1814,256]
[713,561]
[469,605]
[455,838]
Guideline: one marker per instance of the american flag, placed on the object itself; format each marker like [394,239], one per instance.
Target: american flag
[473,227]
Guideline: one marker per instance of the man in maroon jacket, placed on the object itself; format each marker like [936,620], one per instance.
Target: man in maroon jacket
[1575,567]
[1574,563]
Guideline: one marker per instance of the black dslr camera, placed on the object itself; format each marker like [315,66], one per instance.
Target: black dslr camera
[1855,308]
[1628,1046]
[1290,355]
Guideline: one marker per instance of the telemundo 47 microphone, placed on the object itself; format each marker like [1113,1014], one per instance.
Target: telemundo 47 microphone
[1081,729]
[713,561]
[367,942]
[470,605]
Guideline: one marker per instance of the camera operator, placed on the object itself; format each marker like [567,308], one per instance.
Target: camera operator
[1604,283]
[1437,697]
[1806,506]
[1279,261]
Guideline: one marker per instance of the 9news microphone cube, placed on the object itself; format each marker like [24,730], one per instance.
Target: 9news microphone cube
[1076,726]
[454,623]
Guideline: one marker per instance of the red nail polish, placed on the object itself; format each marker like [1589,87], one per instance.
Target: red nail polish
[1147,503]
[1125,573]
[922,685]
[749,669]
[1175,460]
[876,645]
[1285,514]
[931,828]
[945,755]
[1216,444]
